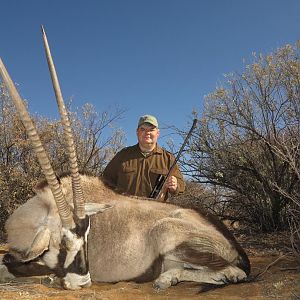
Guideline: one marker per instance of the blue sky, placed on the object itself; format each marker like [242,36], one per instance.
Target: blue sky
[159,57]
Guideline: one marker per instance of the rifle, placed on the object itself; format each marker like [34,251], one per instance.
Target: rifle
[159,190]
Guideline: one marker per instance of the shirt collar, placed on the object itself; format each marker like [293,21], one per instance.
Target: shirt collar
[157,149]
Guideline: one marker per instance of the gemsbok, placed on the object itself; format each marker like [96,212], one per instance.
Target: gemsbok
[133,239]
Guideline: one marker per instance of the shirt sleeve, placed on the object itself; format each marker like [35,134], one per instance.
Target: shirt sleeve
[111,171]
[176,172]
[180,182]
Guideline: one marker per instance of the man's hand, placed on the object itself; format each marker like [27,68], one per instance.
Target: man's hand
[171,184]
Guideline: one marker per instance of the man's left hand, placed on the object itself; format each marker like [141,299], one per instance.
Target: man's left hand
[172,184]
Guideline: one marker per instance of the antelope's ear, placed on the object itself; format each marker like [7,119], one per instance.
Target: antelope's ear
[39,244]
[95,208]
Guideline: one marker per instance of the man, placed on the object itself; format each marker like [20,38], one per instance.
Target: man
[135,169]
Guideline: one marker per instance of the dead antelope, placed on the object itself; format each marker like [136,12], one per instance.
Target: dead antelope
[135,240]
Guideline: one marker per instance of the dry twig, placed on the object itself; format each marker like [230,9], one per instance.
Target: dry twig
[269,266]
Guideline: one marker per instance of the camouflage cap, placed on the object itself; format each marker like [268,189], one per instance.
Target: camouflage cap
[148,119]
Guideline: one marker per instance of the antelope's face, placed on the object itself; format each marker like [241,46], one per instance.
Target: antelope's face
[73,258]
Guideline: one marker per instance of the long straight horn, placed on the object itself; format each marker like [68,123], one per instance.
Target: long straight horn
[62,206]
[78,198]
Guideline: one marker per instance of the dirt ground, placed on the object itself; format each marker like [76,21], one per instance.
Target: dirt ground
[269,254]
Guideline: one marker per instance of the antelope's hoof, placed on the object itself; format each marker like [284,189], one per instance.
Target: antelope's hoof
[164,282]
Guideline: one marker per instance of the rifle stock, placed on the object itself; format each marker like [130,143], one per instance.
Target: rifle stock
[158,186]
[160,189]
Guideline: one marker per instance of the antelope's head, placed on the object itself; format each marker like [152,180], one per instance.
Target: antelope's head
[72,267]
[73,264]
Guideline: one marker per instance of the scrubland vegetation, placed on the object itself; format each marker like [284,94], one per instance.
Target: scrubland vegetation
[243,161]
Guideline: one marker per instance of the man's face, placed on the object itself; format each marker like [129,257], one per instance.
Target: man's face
[147,135]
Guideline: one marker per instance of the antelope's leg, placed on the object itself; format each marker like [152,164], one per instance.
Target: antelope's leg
[230,274]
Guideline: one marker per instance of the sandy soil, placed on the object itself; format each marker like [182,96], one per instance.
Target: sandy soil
[280,280]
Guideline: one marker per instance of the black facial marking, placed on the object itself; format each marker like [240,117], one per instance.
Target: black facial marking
[31,268]
[80,264]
